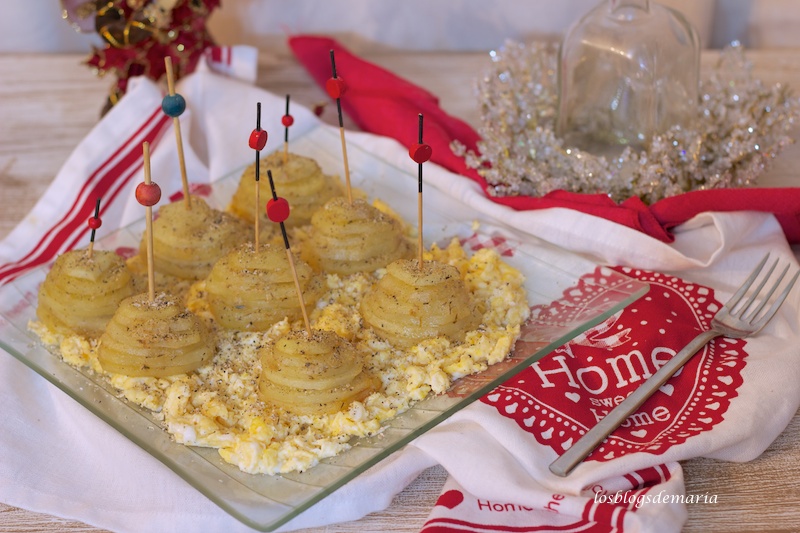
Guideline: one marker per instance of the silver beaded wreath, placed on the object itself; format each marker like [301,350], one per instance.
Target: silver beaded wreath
[740,126]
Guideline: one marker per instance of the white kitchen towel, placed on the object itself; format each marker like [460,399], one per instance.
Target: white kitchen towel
[51,445]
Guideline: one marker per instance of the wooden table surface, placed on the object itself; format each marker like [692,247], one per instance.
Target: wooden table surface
[48,103]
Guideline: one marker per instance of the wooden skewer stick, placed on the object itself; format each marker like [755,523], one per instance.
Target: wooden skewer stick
[278,211]
[297,285]
[148,194]
[258,140]
[94,223]
[420,247]
[420,152]
[336,88]
[174,105]
[287,120]
[258,206]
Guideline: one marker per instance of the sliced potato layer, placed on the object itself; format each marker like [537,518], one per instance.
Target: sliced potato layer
[187,242]
[410,304]
[250,291]
[348,238]
[313,374]
[155,339]
[301,181]
[80,295]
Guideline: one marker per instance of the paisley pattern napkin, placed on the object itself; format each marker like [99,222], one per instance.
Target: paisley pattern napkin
[498,449]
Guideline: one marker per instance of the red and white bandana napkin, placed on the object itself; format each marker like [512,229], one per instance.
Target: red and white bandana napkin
[642,501]
[497,450]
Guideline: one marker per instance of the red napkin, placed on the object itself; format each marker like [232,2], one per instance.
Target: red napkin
[383,103]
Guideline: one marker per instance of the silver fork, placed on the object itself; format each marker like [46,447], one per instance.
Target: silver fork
[730,321]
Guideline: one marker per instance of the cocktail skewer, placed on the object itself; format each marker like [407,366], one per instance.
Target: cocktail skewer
[258,140]
[420,153]
[336,87]
[94,223]
[148,194]
[287,120]
[278,211]
[173,106]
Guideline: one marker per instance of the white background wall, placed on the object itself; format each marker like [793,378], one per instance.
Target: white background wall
[36,25]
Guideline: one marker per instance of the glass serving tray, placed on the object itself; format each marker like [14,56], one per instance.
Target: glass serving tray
[266,502]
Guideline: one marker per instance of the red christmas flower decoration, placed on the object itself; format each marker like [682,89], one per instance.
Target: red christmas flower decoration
[139,34]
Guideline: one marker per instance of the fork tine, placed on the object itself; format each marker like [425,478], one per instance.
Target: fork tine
[754,294]
[765,299]
[746,285]
[778,302]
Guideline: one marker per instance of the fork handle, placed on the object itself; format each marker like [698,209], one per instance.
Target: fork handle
[595,436]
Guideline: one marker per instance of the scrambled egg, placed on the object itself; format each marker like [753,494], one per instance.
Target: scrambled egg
[218,405]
